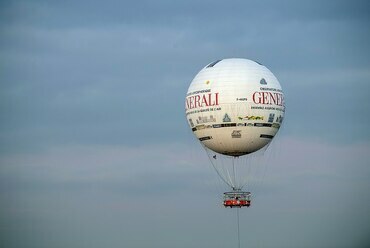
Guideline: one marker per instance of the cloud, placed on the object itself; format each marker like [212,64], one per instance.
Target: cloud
[171,185]
[123,166]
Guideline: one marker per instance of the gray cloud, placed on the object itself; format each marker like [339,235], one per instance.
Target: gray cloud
[111,195]
[80,89]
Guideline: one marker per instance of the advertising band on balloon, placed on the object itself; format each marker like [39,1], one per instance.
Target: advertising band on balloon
[205,101]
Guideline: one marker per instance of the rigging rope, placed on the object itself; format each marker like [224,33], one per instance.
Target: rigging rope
[237,218]
[234,174]
[209,154]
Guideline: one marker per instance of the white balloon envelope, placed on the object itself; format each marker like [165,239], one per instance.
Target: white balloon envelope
[235,106]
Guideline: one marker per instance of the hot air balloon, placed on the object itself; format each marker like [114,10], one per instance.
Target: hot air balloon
[234,107]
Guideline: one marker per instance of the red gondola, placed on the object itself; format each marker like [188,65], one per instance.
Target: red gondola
[237,199]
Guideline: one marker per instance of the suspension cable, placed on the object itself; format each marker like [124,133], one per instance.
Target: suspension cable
[234,173]
[237,219]
[215,167]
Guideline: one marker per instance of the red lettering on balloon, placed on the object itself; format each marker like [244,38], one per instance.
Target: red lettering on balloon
[200,101]
[268,98]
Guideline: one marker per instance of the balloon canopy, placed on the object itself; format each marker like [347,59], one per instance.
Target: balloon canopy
[234,106]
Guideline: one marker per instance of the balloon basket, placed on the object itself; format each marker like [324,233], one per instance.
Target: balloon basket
[237,199]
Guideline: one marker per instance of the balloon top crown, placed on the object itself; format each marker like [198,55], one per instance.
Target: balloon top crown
[233,62]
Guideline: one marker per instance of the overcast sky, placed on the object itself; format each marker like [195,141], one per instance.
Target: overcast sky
[95,150]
